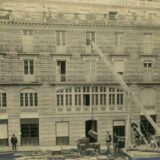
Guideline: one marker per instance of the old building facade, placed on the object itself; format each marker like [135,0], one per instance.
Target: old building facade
[53,87]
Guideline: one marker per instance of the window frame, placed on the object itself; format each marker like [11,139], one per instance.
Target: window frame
[102,96]
[60,37]
[3,99]
[26,100]
[28,67]
[90,37]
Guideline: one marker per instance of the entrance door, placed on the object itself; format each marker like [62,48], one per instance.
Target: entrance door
[89,125]
[119,133]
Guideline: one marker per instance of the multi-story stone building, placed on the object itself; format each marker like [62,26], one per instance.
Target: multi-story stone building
[52,83]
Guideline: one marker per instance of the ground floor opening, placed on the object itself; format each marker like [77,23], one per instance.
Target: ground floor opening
[90,124]
[62,133]
[29,131]
[119,133]
[3,132]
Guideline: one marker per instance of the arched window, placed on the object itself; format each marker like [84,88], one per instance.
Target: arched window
[28,98]
[3,98]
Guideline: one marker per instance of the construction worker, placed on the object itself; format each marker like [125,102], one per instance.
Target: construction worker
[153,142]
[14,142]
[108,141]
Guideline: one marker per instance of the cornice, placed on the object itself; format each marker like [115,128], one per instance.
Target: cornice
[92,3]
[85,25]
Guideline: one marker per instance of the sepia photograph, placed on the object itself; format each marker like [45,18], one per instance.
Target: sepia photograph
[79,79]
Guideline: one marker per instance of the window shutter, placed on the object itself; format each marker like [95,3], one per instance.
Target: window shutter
[3,131]
[62,129]
[27,40]
[119,66]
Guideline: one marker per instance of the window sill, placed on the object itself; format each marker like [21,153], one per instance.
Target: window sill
[29,109]
[26,54]
[119,55]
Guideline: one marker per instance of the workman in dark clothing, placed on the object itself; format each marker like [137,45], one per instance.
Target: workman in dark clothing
[92,135]
[14,142]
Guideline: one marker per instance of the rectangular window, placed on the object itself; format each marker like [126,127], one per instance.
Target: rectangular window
[30,133]
[61,71]
[86,100]
[102,99]
[31,99]
[62,133]
[28,67]
[119,67]
[147,65]
[86,89]
[112,15]
[27,40]
[3,100]
[28,99]
[95,99]
[77,100]
[21,99]
[119,41]
[68,100]
[3,132]
[35,99]
[90,36]
[148,43]
[61,37]
[147,71]
[111,99]
[119,99]
[28,32]
[60,100]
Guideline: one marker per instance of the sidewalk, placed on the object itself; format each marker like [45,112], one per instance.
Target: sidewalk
[40,148]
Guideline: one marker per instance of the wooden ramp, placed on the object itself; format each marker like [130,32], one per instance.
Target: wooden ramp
[141,154]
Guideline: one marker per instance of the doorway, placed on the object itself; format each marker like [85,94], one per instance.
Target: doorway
[119,133]
[88,125]
[30,131]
